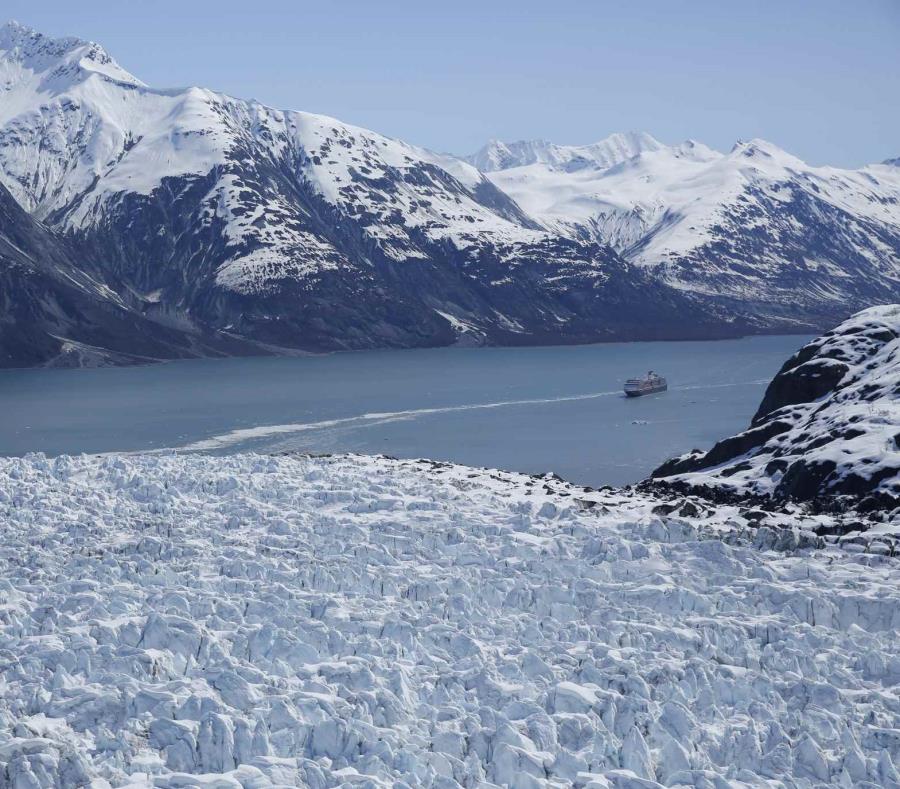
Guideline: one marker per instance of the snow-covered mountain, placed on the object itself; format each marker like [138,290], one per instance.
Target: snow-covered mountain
[80,135]
[828,427]
[221,218]
[607,153]
[756,227]
[292,229]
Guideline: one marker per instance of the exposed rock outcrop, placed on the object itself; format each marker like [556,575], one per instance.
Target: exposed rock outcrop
[827,430]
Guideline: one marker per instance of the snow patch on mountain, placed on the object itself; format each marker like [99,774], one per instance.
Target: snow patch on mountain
[274,244]
[413,186]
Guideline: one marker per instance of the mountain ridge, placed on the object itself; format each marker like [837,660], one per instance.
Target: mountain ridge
[223,216]
[755,225]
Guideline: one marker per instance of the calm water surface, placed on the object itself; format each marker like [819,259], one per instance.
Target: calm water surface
[528,409]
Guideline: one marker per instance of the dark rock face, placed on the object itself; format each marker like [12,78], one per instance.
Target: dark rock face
[817,369]
[804,480]
[825,431]
[52,311]
[724,451]
[800,382]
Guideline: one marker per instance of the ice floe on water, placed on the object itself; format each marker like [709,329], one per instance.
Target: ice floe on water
[247,621]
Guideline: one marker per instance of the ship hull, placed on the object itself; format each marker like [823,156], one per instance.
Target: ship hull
[642,392]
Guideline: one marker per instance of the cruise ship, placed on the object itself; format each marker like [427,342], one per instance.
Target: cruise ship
[649,384]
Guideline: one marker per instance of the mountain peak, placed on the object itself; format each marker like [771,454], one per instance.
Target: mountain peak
[694,150]
[28,50]
[757,147]
[763,156]
[612,150]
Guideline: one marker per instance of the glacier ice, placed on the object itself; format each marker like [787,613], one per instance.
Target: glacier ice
[248,621]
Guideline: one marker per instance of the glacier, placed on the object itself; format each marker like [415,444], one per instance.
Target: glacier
[248,621]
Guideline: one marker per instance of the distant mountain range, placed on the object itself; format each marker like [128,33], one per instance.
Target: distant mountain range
[756,228]
[138,223]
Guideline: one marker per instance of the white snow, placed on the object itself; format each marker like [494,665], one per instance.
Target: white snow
[657,203]
[854,428]
[69,115]
[77,133]
[616,148]
[248,621]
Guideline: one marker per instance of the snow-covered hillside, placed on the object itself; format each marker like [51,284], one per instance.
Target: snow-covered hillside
[614,189]
[249,621]
[219,215]
[828,426]
[615,149]
[755,225]
[80,131]
[223,218]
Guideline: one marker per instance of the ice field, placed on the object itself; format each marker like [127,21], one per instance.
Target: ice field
[363,622]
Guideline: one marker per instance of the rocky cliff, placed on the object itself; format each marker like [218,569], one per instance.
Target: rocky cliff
[827,430]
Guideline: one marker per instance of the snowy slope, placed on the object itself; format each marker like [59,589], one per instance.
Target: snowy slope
[828,426]
[616,148]
[65,97]
[297,230]
[753,225]
[610,189]
[250,621]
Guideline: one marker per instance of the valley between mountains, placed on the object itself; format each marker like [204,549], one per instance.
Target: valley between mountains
[139,223]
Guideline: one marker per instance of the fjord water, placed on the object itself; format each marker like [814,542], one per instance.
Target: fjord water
[557,409]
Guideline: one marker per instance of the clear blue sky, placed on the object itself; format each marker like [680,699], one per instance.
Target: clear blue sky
[821,78]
